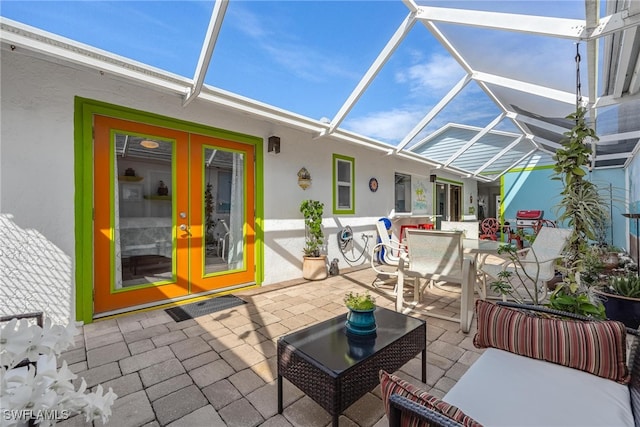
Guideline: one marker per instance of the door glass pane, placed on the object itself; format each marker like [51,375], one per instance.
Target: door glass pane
[455,211]
[224,211]
[441,203]
[143,220]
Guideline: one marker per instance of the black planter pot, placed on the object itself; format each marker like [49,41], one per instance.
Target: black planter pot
[623,309]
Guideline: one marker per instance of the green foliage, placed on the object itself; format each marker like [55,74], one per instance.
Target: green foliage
[209,222]
[581,206]
[583,210]
[517,283]
[356,301]
[626,286]
[312,211]
[575,302]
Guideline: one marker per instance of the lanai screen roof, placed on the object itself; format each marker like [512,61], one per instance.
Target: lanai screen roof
[474,87]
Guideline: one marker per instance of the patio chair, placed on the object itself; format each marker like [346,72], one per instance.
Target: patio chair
[543,223]
[536,265]
[385,255]
[470,230]
[438,256]
[489,229]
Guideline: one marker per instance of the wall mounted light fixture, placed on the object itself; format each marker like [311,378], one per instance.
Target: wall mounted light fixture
[304,178]
[273,144]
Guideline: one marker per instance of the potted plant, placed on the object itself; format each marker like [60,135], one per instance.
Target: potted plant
[360,318]
[621,298]
[314,265]
[610,257]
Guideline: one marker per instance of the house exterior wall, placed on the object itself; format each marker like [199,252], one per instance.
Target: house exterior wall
[37,183]
[534,189]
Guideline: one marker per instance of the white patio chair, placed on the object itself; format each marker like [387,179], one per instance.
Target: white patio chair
[536,265]
[470,230]
[438,256]
[385,256]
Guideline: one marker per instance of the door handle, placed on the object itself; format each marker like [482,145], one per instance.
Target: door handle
[183,227]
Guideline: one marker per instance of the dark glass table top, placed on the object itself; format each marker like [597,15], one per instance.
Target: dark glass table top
[328,344]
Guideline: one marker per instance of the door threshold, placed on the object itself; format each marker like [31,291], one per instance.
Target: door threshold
[160,305]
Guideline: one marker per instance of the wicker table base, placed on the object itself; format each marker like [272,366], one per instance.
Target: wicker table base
[335,370]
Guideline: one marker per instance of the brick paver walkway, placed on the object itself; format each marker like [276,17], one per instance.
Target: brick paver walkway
[220,369]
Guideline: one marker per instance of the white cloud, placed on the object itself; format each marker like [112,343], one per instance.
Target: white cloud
[390,126]
[439,74]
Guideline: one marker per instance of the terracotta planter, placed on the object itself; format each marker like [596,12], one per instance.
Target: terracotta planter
[611,260]
[623,309]
[314,268]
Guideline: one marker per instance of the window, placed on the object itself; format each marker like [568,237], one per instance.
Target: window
[343,185]
[403,192]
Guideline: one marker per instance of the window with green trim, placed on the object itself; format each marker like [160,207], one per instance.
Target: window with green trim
[343,184]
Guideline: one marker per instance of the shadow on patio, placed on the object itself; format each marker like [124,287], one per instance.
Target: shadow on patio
[221,369]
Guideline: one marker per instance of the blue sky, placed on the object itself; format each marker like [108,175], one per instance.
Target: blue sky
[307,56]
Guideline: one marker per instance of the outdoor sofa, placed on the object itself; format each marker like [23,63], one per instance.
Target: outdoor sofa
[537,370]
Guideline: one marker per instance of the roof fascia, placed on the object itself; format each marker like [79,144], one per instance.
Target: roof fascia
[566,28]
[373,70]
[475,139]
[210,39]
[50,45]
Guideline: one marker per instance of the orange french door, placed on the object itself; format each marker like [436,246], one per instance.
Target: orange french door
[222,246]
[173,214]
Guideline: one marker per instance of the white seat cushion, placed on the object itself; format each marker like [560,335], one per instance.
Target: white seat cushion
[504,389]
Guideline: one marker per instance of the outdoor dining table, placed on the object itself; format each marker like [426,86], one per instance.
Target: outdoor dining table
[481,249]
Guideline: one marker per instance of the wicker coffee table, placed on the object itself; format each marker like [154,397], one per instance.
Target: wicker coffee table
[336,369]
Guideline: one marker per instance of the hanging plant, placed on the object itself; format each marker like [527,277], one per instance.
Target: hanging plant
[582,209]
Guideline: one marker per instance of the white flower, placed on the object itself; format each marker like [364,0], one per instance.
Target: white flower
[15,339]
[39,385]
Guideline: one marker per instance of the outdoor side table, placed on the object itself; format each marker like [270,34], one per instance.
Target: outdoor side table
[335,369]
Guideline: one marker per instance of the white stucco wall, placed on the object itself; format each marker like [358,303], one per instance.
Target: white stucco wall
[37,163]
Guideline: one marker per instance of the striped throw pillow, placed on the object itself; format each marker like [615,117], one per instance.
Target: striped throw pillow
[391,384]
[597,347]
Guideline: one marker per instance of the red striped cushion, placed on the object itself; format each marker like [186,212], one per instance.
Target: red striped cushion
[391,384]
[597,347]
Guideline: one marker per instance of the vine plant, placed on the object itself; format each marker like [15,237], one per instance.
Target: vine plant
[581,208]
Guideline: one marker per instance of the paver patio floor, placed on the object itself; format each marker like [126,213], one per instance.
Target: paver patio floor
[220,369]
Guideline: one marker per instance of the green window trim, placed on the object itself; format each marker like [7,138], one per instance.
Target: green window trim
[339,162]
